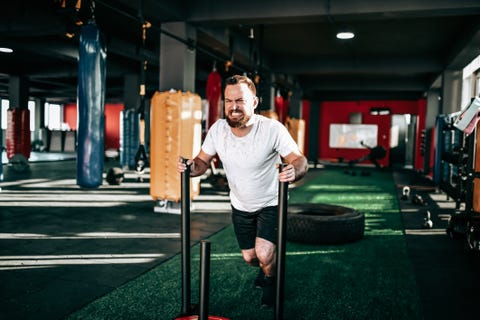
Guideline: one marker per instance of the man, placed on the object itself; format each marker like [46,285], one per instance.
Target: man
[250,147]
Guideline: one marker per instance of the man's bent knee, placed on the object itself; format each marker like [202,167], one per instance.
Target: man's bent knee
[250,257]
[264,250]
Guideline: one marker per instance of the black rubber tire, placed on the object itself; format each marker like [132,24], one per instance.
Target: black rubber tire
[19,162]
[115,176]
[319,223]
[457,225]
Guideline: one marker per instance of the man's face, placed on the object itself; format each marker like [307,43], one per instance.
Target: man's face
[240,103]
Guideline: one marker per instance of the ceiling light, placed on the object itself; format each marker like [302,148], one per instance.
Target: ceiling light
[345,35]
[6,50]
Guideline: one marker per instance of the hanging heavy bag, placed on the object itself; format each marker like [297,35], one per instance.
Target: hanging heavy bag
[91,99]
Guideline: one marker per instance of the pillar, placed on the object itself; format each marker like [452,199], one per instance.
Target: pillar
[39,132]
[451,91]
[177,60]
[295,106]
[131,97]
[433,108]
[266,93]
[18,92]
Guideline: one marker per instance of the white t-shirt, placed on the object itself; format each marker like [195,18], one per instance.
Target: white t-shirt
[250,162]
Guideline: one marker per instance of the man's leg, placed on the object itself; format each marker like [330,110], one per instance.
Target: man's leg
[252,231]
[250,257]
[265,251]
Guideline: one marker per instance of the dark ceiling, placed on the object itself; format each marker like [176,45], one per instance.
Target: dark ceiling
[399,51]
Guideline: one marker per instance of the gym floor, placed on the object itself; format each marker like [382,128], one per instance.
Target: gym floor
[63,247]
[447,275]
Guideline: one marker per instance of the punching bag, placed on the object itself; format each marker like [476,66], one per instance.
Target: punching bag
[17,138]
[280,107]
[129,137]
[214,97]
[91,98]
[175,130]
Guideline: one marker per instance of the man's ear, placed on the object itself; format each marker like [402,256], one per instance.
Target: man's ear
[255,102]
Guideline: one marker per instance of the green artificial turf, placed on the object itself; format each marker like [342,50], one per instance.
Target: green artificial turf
[368,279]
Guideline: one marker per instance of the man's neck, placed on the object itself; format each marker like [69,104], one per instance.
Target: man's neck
[243,131]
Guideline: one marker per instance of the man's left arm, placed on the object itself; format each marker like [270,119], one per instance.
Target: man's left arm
[295,170]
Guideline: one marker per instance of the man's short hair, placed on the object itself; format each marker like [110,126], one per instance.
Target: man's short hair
[237,79]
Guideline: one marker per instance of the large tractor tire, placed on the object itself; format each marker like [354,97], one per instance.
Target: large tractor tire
[318,223]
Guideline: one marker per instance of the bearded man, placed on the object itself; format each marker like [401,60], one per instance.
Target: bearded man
[250,147]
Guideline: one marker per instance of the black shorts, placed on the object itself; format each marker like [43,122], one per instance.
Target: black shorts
[249,225]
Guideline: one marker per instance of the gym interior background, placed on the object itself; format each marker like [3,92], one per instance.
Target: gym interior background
[402,82]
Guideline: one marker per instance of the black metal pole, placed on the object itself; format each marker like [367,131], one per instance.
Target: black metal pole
[281,245]
[185,213]
[469,172]
[204,279]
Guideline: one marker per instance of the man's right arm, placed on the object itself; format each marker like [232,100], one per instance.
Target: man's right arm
[198,165]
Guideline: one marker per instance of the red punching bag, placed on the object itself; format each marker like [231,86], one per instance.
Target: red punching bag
[17,140]
[280,107]
[214,97]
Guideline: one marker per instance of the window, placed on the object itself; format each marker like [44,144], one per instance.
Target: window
[53,116]
[471,81]
[477,83]
[5,106]
[31,108]
[353,135]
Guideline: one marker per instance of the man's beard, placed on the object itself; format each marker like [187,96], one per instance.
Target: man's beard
[241,123]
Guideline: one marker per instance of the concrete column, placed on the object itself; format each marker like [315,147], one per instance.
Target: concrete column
[177,60]
[18,92]
[131,91]
[40,113]
[433,108]
[295,107]
[451,91]
[266,93]
[38,131]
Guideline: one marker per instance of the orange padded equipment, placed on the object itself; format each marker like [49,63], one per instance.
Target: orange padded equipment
[175,130]
[269,114]
[296,128]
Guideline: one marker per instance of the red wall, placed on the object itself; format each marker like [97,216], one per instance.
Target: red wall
[112,125]
[70,115]
[306,118]
[338,112]
[112,122]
